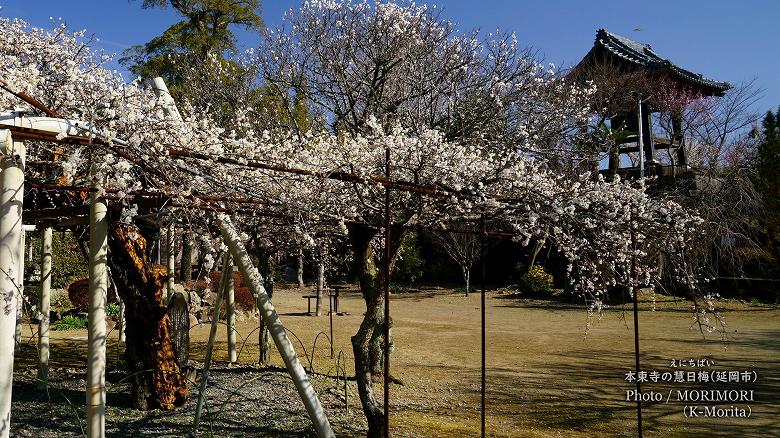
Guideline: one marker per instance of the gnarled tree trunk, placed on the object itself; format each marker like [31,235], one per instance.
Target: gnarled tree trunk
[158,382]
[367,344]
[365,355]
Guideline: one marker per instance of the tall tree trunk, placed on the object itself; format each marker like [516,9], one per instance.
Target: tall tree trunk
[320,284]
[362,345]
[158,381]
[267,270]
[185,273]
[537,247]
[300,267]
[467,278]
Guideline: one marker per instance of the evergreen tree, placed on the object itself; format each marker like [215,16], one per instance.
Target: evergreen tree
[207,28]
[768,166]
[769,161]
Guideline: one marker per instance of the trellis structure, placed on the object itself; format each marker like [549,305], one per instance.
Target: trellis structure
[95,215]
[57,130]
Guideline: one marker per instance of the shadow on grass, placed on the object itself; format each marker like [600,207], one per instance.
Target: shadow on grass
[585,390]
[241,402]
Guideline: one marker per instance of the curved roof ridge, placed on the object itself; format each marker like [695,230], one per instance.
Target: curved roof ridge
[642,54]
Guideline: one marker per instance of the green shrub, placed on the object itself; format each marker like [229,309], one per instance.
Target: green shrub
[60,300]
[536,281]
[409,264]
[70,323]
[112,310]
[68,263]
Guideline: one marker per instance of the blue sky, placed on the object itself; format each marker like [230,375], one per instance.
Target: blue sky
[724,40]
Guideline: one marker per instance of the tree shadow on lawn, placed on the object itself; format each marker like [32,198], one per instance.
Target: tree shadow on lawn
[573,302]
[759,339]
[585,391]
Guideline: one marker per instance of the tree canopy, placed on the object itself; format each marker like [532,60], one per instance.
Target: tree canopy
[206,28]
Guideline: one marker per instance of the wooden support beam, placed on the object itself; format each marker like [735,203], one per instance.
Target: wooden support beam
[54,214]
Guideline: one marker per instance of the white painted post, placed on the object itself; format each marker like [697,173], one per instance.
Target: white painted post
[275,328]
[171,258]
[11,201]
[231,315]
[43,320]
[98,292]
[20,295]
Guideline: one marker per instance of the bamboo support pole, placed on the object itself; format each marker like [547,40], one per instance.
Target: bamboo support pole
[275,328]
[11,201]
[483,381]
[98,292]
[43,321]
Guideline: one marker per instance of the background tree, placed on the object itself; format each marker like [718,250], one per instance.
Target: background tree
[404,70]
[206,29]
[768,167]
[716,133]
[463,248]
[407,65]
[768,159]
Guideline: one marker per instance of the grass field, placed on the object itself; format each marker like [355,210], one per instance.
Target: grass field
[551,370]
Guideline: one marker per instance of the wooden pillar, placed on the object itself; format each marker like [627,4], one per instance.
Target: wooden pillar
[11,201]
[230,294]
[43,320]
[647,138]
[98,290]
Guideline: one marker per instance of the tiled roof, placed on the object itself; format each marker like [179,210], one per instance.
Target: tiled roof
[644,56]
